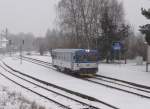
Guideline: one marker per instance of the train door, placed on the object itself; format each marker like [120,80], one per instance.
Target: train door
[72,60]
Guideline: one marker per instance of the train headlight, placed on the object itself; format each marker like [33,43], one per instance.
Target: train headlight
[88,50]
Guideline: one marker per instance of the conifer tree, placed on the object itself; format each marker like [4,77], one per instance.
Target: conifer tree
[145,29]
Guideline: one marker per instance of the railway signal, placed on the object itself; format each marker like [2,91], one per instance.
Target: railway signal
[21,45]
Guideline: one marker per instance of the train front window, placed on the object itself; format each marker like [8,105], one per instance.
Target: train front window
[91,57]
[86,57]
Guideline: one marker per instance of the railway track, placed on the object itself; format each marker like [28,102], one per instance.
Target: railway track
[47,63]
[124,82]
[38,62]
[121,87]
[31,90]
[85,105]
[81,105]
[124,86]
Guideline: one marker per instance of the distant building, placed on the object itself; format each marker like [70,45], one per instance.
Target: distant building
[3,44]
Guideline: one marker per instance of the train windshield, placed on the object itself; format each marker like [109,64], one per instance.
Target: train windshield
[86,57]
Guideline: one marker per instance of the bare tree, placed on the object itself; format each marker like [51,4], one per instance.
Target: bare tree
[136,46]
[93,23]
[16,40]
[40,45]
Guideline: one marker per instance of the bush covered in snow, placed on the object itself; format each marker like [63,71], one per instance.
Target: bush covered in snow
[14,100]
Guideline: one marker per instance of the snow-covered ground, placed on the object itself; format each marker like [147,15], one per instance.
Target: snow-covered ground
[43,58]
[129,72]
[23,99]
[14,99]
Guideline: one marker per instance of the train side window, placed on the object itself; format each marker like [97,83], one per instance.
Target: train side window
[74,57]
[69,56]
[64,58]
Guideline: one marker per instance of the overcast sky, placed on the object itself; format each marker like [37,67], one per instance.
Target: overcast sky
[133,12]
[27,15]
[37,16]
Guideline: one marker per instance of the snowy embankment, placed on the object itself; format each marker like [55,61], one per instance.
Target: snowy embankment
[43,58]
[128,72]
[24,97]
[117,98]
[13,100]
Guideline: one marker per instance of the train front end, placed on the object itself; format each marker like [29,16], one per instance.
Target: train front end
[86,62]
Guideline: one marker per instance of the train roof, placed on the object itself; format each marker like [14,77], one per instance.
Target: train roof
[71,50]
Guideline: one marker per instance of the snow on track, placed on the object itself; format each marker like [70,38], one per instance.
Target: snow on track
[126,88]
[116,98]
[129,72]
[26,93]
[57,93]
[42,58]
[89,100]
[32,87]
[103,81]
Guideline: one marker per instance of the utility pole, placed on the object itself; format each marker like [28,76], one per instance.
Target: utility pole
[21,45]
[10,43]
[6,33]
[1,40]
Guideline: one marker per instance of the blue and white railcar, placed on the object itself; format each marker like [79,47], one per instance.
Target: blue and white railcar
[80,61]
